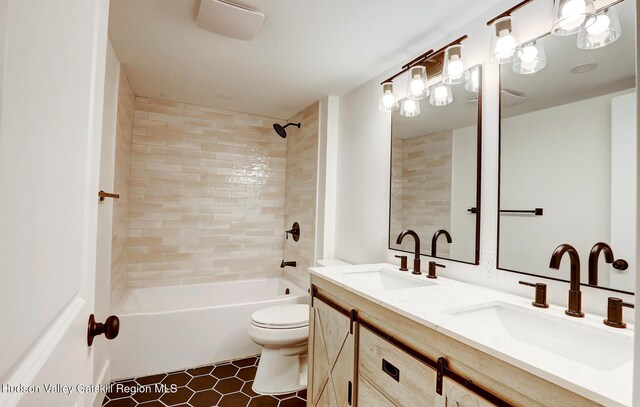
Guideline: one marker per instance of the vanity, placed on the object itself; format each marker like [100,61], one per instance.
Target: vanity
[383,337]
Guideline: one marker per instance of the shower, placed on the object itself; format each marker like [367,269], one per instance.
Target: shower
[281,129]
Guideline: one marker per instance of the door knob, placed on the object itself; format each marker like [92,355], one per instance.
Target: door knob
[110,328]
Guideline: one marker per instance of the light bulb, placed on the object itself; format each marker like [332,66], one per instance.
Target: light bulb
[388,100]
[573,14]
[410,106]
[441,94]
[417,85]
[455,69]
[505,45]
[599,30]
[529,53]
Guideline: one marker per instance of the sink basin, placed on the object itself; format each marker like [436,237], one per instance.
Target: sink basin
[573,340]
[386,280]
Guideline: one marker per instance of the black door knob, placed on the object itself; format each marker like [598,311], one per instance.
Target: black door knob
[110,328]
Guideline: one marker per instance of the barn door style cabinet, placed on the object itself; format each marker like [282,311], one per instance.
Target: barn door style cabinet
[364,354]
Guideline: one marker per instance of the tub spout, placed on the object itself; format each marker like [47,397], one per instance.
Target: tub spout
[284,264]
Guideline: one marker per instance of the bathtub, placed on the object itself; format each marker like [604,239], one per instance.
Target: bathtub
[163,329]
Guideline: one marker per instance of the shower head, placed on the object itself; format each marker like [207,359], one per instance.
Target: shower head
[281,129]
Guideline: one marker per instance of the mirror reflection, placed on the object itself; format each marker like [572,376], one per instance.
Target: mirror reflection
[434,172]
[568,152]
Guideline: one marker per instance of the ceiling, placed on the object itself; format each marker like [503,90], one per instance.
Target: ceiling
[305,50]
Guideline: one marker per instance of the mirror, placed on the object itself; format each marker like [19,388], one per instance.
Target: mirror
[435,175]
[568,148]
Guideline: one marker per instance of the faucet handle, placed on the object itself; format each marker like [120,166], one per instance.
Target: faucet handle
[403,263]
[432,269]
[614,312]
[541,294]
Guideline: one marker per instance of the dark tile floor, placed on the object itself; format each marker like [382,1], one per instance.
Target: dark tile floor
[223,385]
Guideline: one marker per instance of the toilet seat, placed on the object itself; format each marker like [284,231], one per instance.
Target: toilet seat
[289,316]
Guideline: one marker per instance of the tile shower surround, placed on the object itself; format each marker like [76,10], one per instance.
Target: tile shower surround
[207,195]
[225,385]
[120,224]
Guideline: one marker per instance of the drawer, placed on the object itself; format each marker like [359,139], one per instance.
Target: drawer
[455,395]
[369,396]
[405,380]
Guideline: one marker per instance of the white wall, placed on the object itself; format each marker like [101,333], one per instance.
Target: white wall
[363,168]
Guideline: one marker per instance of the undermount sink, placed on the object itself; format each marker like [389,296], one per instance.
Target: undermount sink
[386,280]
[573,340]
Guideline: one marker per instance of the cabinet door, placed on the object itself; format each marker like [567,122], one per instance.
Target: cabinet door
[369,396]
[456,395]
[332,354]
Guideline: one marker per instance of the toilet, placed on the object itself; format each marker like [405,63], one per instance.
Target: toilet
[283,332]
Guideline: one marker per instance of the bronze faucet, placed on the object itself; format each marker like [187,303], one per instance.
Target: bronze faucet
[432,269]
[416,260]
[541,294]
[434,240]
[598,248]
[575,295]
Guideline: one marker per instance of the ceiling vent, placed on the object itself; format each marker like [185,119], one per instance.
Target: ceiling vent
[228,19]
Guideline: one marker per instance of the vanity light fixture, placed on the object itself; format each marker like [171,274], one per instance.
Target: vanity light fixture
[572,16]
[505,46]
[441,95]
[454,71]
[531,60]
[604,31]
[473,81]
[388,101]
[417,88]
[410,108]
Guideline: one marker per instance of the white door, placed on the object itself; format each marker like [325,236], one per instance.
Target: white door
[51,96]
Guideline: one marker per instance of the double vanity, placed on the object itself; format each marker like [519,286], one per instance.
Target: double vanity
[384,337]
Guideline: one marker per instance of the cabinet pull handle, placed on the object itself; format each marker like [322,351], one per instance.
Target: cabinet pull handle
[391,370]
[350,393]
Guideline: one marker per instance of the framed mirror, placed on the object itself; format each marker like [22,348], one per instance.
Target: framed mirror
[568,153]
[435,174]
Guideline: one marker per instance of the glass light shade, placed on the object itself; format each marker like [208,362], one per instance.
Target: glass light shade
[532,59]
[441,95]
[454,70]
[410,108]
[604,31]
[572,16]
[417,88]
[473,81]
[504,41]
[388,101]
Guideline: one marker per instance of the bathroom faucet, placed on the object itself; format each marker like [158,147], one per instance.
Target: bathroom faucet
[574,308]
[434,240]
[416,260]
[598,248]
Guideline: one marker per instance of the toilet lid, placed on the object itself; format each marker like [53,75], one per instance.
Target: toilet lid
[282,316]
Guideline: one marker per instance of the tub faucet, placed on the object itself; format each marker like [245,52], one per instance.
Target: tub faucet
[574,308]
[594,256]
[416,238]
[434,240]
[284,264]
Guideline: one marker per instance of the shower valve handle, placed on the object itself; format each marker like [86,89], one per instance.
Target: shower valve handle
[294,231]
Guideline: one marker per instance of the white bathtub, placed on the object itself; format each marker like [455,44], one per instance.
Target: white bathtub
[163,329]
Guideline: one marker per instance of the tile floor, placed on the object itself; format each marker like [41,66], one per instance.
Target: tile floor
[223,385]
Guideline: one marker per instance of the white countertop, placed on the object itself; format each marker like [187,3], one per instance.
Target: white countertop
[431,306]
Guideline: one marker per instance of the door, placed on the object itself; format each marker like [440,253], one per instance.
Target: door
[332,357]
[51,96]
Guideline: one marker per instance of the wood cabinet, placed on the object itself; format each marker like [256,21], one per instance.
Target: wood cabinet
[383,359]
[332,357]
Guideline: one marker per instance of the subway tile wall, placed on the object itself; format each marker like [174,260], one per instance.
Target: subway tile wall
[426,187]
[120,234]
[207,195]
[301,192]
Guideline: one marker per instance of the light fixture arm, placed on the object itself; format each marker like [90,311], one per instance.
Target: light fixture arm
[509,11]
